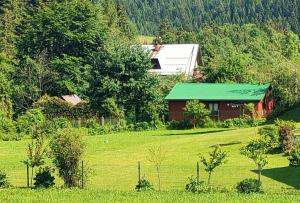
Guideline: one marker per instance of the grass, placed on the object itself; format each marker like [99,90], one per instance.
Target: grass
[143,39]
[78,196]
[293,114]
[113,160]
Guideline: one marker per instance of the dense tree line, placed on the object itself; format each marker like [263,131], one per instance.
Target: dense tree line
[72,47]
[86,48]
[193,14]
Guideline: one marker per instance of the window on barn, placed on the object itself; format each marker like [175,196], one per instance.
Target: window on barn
[214,108]
[155,63]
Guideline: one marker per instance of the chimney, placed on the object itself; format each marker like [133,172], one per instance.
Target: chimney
[157,47]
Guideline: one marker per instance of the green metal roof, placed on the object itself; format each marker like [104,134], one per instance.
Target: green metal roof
[218,92]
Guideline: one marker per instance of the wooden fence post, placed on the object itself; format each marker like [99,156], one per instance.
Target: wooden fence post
[27,171]
[102,120]
[198,173]
[82,173]
[139,171]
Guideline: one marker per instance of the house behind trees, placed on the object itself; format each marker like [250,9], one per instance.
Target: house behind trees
[174,59]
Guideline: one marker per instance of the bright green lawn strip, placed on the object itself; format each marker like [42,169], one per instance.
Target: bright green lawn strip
[74,196]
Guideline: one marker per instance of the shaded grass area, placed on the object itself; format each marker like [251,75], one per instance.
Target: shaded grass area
[293,114]
[76,196]
[287,175]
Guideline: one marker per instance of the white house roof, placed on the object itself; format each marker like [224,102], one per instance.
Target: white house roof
[174,59]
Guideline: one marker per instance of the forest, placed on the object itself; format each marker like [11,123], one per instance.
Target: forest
[194,14]
[86,48]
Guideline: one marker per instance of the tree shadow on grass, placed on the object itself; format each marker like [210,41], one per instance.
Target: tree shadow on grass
[287,175]
[194,133]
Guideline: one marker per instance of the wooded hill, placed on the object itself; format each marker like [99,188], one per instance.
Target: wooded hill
[192,14]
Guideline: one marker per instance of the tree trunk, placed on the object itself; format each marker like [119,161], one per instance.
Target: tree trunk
[209,178]
[158,177]
[259,172]
[32,168]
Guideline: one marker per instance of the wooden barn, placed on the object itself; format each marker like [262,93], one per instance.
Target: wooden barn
[225,101]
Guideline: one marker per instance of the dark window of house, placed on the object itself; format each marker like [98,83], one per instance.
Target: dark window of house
[214,108]
[155,63]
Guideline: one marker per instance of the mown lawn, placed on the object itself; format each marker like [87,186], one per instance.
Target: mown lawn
[113,160]
[83,196]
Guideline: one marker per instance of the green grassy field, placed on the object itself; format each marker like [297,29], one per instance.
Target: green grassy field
[113,160]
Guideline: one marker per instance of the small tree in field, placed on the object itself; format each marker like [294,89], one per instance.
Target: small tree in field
[256,150]
[216,158]
[36,153]
[67,147]
[156,156]
[196,112]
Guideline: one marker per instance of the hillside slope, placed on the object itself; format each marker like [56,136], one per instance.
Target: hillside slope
[191,14]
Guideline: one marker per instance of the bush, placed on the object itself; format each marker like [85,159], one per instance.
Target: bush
[197,113]
[67,147]
[294,157]
[197,187]
[143,185]
[3,179]
[43,178]
[177,125]
[11,137]
[270,135]
[93,126]
[141,126]
[30,122]
[286,132]
[60,123]
[249,186]
[235,122]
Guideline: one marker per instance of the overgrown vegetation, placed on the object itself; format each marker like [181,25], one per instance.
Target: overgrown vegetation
[67,148]
[249,186]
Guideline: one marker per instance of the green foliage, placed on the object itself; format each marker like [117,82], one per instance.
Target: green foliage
[59,123]
[242,122]
[143,185]
[270,134]
[197,187]
[55,107]
[235,122]
[197,113]
[6,88]
[120,73]
[256,150]
[148,15]
[249,186]
[3,179]
[67,147]
[294,157]
[7,125]
[55,47]
[180,125]
[31,122]
[36,153]
[43,178]
[217,157]
[94,128]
